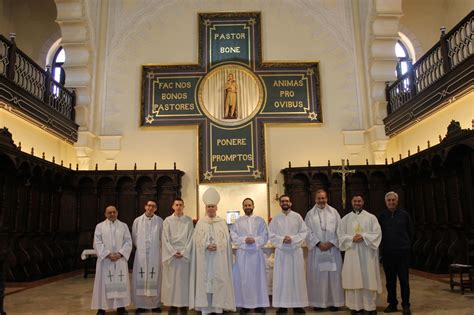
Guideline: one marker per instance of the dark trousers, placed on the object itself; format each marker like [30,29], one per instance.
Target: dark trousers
[397,264]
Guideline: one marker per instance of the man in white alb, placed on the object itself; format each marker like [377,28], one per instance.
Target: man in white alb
[146,279]
[359,236]
[177,234]
[249,234]
[210,285]
[113,245]
[287,231]
[324,258]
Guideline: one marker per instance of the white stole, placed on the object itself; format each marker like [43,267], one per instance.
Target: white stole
[116,272]
[148,264]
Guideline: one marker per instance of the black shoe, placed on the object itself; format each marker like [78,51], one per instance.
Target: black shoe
[141,310]
[260,310]
[121,311]
[298,310]
[406,310]
[100,312]
[333,308]
[173,310]
[282,310]
[183,310]
[354,312]
[373,312]
[318,309]
[156,310]
[244,310]
[391,308]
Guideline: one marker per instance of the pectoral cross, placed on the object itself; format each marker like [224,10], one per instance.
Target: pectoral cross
[358,229]
[152,272]
[344,172]
[121,275]
[110,276]
[141,272]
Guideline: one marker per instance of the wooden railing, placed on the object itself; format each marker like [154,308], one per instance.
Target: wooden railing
[17,67]
[33,94]
[438,71]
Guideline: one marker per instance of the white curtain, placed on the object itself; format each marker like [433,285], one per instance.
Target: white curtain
[213,93]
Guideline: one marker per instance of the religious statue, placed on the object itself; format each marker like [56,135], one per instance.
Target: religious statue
[230,107]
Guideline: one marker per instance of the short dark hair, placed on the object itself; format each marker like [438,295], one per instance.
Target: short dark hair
[152,200]
[279,199]
[248,198]
[109,207]
[177,199]
[321,191]
[358,195]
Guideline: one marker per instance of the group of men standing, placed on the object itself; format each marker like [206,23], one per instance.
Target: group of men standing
[194,268]
[162,260]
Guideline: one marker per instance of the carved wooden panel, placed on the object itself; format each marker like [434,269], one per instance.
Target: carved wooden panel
[146,190]
[87,204]
[127,200]
[48,213]
[435,186]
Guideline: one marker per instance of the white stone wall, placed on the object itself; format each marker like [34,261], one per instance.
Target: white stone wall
[107,42]
[149,32]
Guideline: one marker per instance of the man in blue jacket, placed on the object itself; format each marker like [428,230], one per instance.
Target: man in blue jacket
[397,237]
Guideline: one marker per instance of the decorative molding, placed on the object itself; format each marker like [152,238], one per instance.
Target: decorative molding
[6,138]
[75,23]
[29,108]
[378,143]
[110,146]
[84,148]
[381,60]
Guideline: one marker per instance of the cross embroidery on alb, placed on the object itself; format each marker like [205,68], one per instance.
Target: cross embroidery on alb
[121,275]
[110,276]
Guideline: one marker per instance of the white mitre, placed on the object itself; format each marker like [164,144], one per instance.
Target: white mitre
[211,197]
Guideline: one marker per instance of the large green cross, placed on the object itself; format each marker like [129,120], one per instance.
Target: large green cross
[231,94]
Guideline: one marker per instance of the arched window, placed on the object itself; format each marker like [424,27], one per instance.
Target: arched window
[404,60]
[57,70]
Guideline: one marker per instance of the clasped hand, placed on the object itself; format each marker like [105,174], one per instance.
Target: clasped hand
[287,240]
[114,256]
[212,247]
[357,238]
[249,240]
[324,246]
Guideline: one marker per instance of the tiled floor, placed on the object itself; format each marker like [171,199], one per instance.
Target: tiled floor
[71,294]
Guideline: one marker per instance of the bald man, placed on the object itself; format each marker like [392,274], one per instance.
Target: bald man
[113,245]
